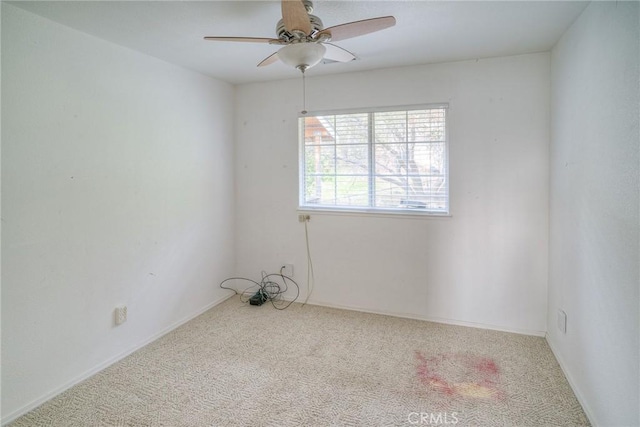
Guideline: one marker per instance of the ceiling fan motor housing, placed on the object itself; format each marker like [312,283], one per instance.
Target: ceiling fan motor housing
[283,34]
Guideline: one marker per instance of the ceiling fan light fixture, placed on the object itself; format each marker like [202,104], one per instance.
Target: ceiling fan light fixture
[302,55]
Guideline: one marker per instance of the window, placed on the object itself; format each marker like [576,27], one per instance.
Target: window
[393,161]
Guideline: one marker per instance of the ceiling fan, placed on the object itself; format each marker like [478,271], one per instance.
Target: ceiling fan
[305,42]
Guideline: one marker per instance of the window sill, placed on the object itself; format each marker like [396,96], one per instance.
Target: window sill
[377,213]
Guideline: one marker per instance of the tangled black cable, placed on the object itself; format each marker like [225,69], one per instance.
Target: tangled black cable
[268,288]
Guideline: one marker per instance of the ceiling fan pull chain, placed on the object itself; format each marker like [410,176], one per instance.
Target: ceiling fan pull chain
[304,94]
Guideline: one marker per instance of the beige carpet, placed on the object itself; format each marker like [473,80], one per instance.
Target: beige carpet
[238,365]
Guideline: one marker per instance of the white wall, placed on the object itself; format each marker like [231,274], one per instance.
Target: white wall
[117,188]
[594,218]
[485,265]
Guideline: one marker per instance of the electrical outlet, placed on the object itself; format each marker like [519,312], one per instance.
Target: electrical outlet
[121,315]
[304,218]
[287,270]
[562,321]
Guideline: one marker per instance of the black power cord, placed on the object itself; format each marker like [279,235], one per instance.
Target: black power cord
[271,288]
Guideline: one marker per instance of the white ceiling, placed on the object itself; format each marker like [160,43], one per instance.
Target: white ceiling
[426,31]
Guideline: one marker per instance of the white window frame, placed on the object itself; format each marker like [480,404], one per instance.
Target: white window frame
[371,209]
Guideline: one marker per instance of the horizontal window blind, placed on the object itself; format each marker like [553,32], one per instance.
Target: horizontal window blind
[385,160]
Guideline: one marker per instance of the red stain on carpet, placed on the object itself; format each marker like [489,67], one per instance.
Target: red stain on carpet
[485,365]
[461,375]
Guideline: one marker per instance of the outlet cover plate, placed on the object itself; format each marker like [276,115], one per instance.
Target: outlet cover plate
[120,315]
[288,270]
[562,321]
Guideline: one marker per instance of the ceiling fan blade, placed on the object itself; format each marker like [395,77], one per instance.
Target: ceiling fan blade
[295,16]
[269,60]
[357,28]
[245,39]
[336,53]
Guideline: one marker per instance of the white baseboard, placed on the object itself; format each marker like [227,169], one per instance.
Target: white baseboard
[427,318]
[585,407]
[34,404]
